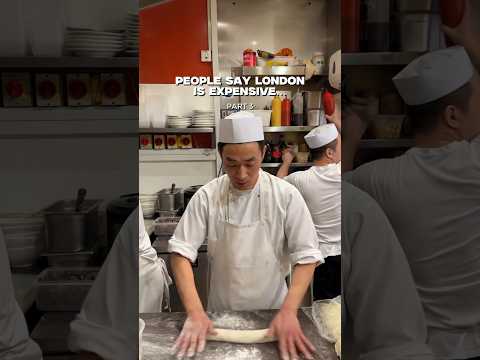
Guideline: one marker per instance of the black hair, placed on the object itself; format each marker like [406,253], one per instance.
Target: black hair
[317,154]
[424,118]
[221,145]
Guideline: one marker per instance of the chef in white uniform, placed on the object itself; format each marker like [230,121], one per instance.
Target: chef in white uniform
[256,226]
[108,322]
[320,186]
[431,195]
[382,317]
[15,343]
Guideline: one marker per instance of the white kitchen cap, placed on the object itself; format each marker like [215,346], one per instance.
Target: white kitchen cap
[240,127]
[321,136]
[434,75]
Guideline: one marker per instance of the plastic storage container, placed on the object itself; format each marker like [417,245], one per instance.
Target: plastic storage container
[165,226]
[64,289]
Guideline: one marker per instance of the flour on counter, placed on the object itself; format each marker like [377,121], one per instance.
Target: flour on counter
[234,322]
[234,353]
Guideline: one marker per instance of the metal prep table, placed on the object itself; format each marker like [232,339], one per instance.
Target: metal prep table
[162,329]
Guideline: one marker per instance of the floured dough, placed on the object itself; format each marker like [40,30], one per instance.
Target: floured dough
[328,316]
[242,336]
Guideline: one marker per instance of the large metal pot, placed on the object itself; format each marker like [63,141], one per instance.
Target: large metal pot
[68,230]
[170,199]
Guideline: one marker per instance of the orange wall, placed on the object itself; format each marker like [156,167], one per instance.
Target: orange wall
[171,37]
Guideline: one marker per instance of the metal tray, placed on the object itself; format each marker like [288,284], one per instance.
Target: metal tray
[74,259]
[64,289]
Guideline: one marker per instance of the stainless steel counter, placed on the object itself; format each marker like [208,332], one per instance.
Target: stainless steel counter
[162,329]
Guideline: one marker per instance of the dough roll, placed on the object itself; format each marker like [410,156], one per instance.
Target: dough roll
[242,336]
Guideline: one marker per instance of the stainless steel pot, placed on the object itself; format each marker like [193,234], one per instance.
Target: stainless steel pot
[68,230]
[170,199]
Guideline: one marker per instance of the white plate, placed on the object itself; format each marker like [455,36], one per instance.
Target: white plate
[93,32]
[92,45]
[93,39]
[99,54]
[99,37]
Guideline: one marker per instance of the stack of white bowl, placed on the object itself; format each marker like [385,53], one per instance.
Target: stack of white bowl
[203,118]
[148,202]
[132,30]
[24,239]
[179,122]
[92,43]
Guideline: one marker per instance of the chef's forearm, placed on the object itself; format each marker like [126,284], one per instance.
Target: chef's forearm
[283,170]
[301,278]
[185,282]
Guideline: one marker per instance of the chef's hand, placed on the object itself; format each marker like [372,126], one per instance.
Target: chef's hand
[288,155]
[466,33]
[192,339]
[291,340]
[335,118]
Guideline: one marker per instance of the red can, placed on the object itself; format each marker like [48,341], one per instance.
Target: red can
[249,58]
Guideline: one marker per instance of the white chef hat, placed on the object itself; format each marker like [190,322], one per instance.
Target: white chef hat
[321,136]
[434,75]
[240,127]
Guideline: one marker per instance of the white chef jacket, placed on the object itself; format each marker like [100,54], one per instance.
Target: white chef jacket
[382,317]
[154,279]
[108,322]
[432,198]
[15,343]
[286,215]
[320,186]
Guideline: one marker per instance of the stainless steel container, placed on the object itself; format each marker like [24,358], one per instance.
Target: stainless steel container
[414,5]
[75,259]
[68,230]
[170,199]
[64,289]
[313,99]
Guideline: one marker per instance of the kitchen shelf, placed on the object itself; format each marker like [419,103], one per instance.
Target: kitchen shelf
[378,58]
[292,165]
[269,70]
[67,62]
[177,155]
[175,131]
[275,129]
[386,143]
[68,121]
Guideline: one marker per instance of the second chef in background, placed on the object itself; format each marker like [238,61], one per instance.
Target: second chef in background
[321,188]
[256,225]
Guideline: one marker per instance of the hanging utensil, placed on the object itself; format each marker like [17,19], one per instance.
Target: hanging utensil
[80,199]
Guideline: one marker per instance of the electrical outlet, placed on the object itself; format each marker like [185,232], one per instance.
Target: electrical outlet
[206,56]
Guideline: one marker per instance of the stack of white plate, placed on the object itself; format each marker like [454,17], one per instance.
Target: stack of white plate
[178,122]
[148,202]
[24,238]
[92,43]
[132,30]
[203,118]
